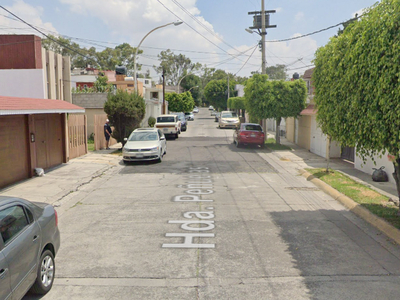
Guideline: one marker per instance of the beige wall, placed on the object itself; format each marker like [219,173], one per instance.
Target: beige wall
[290,132]
[90,113]
[304,132]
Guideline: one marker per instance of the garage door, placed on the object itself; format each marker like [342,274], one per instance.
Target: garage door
[318,139]
[49,140]
[14,151]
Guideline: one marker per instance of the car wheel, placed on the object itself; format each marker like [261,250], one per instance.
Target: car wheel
[160,158]
[176,135]
[45,273]
[262,146]
[237,144]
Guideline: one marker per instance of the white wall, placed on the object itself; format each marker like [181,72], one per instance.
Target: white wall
[367,167]
[23,83]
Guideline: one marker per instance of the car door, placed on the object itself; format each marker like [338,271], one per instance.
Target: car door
[163,141]
[5,288]
[21,236]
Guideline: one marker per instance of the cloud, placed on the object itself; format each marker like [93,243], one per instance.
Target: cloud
[299,16]
[30,14]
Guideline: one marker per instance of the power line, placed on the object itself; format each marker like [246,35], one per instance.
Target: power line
[315,32]
[65,46]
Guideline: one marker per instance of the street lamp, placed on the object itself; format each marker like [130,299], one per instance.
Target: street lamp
[137,49]
[179,82]
[193,88]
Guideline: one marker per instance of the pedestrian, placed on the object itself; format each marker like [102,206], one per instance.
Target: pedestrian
[107,133]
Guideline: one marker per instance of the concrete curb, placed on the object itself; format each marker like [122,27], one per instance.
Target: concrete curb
[388,229]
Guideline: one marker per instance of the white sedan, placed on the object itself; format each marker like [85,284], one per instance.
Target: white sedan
[144,144]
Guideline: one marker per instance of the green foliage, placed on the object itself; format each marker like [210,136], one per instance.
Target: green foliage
[82,57]
[174,66]
[125,112]
[356,82]
[151,121]
[216,92]
[180,102]
[277,72]
[274,99]
[190,82]
[237,103]
[101,85]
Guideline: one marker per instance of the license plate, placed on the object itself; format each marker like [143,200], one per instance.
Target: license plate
[139,155]
[252,135]
[165,129]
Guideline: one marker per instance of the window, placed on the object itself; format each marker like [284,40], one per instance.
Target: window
[253,127]
[12,221]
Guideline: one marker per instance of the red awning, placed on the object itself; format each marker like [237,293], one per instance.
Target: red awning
[23,106]
[309,110]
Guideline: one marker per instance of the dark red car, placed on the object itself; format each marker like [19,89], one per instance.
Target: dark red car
[249,133]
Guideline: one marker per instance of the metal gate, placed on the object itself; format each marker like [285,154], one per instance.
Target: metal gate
[77,135]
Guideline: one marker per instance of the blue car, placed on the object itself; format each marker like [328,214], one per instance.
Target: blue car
[181,117]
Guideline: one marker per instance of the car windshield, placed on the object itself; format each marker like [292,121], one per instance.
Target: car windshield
[188,113]
[229,115]
[143,136]
[165,120]
[252,127]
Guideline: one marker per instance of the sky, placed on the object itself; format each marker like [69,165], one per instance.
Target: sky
[212,34]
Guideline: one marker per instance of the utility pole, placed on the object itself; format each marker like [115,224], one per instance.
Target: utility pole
[261,22]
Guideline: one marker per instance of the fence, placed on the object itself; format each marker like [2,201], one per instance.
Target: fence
[77,135]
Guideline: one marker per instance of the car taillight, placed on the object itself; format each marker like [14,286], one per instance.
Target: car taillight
[55,213]
[243,133]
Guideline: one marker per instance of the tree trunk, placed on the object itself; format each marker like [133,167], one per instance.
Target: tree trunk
[396,176]
[278,130]
[328,159]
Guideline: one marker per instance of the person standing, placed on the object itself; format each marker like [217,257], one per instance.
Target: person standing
[107,133]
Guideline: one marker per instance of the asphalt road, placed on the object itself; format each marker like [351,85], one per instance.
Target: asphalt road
[213,221]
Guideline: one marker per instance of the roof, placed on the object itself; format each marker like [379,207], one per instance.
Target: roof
[308,73]
[24,106]
[309,110]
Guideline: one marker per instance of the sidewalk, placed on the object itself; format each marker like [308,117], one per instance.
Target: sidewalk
[60,182]
[306,159]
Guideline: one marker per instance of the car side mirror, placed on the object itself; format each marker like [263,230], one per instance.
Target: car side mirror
[162,138]
[125,139]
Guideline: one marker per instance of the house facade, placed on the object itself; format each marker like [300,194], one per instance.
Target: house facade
[35,100]
[304,130]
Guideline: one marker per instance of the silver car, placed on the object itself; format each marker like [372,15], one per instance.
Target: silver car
[144,144]
[29,242]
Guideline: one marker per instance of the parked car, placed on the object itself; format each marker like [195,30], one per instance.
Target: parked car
[189,116]
[213,112]
[182,118]
[229,119]
[169,124]
[29,242]
[195,110]
[249,133]
[144,144]
[217,115]
[210,107]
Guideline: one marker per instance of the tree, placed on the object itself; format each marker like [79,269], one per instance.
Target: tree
[238,103]
[356,80]
[180,102]
[277,72]
[190,82]
[174,66]
[275,99]
[216,92]
[125,112]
